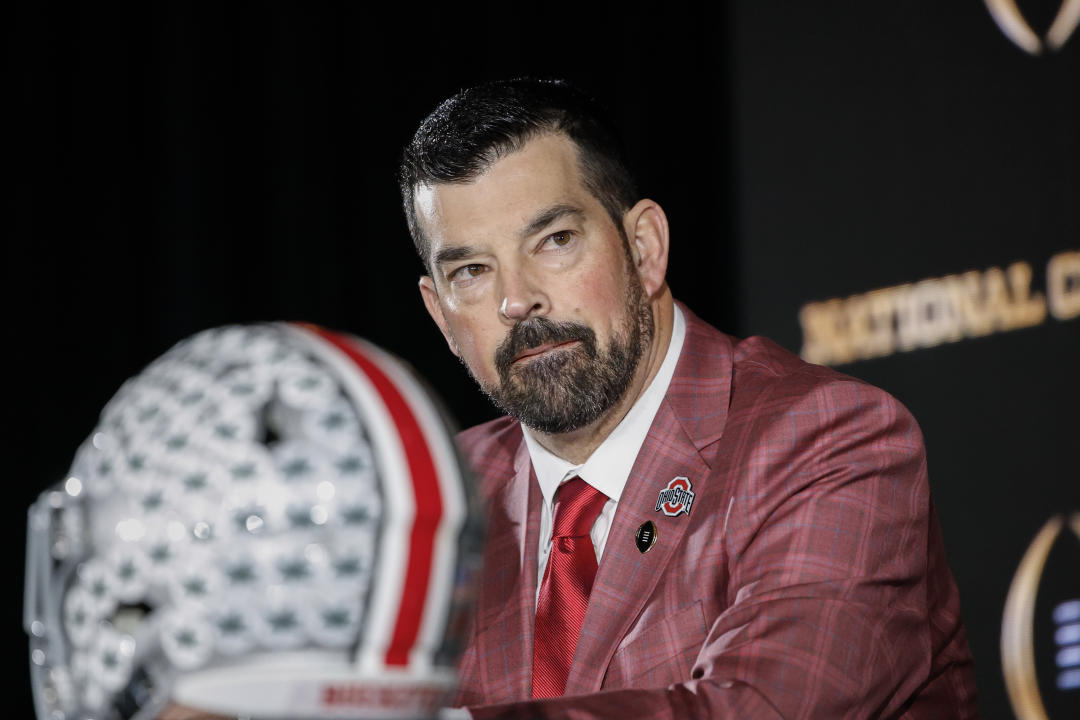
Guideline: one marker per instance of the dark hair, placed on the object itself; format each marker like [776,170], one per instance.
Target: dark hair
[469,132]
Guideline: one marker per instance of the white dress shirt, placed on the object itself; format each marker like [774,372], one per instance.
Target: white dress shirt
[609,466]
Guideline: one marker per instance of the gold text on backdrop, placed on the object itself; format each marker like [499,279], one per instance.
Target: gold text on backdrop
[938,310]
[1063,285]
[1011,21]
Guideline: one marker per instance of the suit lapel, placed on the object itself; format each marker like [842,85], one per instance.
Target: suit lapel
[691,417]
[627,577]
[507,598]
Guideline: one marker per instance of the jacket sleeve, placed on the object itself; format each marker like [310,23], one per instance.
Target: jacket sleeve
[828,606]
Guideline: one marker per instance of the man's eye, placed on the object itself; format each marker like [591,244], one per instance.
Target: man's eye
[467,271]
[561,239]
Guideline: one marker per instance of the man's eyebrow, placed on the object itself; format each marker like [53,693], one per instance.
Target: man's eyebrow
[545,217]
[540,221]
[453,254]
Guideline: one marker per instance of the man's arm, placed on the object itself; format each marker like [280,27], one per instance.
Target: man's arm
[830,609]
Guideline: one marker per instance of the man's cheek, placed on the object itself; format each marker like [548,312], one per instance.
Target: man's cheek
[480,361]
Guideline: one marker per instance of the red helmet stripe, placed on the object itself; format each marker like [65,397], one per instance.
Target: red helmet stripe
[426,493]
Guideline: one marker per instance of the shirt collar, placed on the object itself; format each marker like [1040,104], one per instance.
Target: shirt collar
[609,465]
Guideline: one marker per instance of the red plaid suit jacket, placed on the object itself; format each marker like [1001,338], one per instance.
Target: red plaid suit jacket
[808,580]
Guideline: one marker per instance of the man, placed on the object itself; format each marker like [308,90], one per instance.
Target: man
[680,524]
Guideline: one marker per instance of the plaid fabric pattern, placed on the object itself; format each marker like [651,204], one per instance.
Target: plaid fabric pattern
[808,581]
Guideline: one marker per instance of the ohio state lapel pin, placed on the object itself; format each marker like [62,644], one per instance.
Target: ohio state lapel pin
[676,498]
[645,537]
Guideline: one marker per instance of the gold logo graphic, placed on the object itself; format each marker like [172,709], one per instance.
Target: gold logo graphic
[1011,21]
[1018,621]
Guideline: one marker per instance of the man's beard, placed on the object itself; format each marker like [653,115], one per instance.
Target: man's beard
[568,388]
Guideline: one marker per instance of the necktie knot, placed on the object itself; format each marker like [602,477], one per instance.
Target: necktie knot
[577,505]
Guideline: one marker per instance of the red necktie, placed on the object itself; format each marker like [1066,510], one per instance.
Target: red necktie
[564,592]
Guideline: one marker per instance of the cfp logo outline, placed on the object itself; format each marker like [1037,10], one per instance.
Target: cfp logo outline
[1017,625]
[1015,27]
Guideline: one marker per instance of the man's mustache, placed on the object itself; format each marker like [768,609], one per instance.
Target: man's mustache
[540,331]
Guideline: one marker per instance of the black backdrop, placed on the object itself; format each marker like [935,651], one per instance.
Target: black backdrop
[177,166]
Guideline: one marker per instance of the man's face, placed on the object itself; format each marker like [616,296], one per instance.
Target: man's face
[533,286]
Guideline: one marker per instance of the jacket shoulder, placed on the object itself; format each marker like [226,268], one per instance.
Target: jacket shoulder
[771,384]
[761,365]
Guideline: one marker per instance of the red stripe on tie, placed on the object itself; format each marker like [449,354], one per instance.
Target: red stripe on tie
[426,496]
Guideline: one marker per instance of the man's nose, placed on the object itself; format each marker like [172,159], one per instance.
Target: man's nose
[523,297]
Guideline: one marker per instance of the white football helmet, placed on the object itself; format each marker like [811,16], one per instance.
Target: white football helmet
[269,521]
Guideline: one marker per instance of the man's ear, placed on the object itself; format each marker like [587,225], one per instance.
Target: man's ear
[646,228]
[431,302]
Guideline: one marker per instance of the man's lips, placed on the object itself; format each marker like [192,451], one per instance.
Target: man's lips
[541,349]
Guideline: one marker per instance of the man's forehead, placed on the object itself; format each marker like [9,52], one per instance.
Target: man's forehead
[426,202]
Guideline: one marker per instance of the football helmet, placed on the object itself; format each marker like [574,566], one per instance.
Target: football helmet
[269,521]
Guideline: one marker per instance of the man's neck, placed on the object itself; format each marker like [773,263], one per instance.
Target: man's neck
[578,445]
